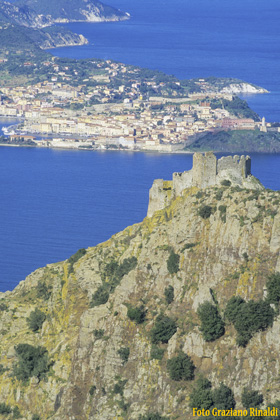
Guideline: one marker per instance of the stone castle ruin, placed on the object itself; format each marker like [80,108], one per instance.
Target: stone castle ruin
[207,171]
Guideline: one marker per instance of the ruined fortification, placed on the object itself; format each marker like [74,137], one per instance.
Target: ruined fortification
[207,171]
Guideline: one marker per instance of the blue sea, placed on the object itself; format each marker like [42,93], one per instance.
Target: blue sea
[55,202]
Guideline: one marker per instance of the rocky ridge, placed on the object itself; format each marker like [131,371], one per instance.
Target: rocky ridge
[36,14]
[101,359]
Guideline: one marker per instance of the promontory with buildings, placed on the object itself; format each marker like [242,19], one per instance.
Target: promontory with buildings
[115,107]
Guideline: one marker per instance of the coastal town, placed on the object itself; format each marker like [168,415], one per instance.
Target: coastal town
[113,108]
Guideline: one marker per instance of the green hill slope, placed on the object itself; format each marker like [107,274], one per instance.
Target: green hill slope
[239,141]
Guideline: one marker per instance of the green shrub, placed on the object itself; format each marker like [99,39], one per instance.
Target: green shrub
[32,361]
[205,212]
[157,353]
[119,387]
[199,194]
[36,320]
[223,398]
[115,271]
[226,183]
[36,417]
[219,195]
[44,291]
[212,325]
[98,334]
[251,398]
[204,397]
[92,390]
[223,209]
[273,288]
[173,262]
[126,266]
[3,306]
[153,416]
[252,317]
[100,296]
[124,352]
[2,369]
[163,329]
[123,406]
[16,413]
[5,409]
[233,308]
[169,294]
[74,258]
[223,213]
[137,314]
[181,368]
[201,395]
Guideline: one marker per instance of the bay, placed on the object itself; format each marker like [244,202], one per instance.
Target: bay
[194,38]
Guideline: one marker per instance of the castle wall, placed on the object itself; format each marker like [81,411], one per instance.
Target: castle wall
[160,195]
[236,168]
[204,170]
[207,171]
[181,181]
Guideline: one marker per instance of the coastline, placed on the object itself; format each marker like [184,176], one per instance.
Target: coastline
[84,149]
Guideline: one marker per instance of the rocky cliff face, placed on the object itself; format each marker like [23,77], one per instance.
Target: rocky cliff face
[245,88]
[102,367]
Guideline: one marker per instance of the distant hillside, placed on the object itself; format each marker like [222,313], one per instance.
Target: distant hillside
[38,13]
[15,37]
[239,140]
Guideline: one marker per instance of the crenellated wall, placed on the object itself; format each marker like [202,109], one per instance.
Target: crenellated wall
[207,171]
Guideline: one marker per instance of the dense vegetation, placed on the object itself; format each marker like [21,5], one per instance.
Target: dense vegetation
[236,141]
[32,361]
[273,288]
[163,329]
[237,107]
[212,325]
[112,276]
[169,294]
[36,320]
[251,398]
[137,314]
[248,317]
[74,258]
[173,262]
[181,368]
[204,397]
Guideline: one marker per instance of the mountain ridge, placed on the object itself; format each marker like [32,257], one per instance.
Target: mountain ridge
[39,14]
